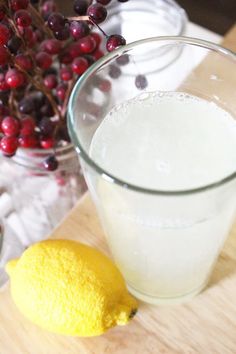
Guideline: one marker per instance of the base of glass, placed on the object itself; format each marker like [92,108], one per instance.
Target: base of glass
[155,300]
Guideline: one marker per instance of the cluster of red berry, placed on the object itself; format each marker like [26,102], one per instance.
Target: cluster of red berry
[42,53]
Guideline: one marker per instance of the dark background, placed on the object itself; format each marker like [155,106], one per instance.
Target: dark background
[217,15]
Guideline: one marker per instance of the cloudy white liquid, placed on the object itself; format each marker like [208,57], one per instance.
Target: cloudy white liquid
[165,246]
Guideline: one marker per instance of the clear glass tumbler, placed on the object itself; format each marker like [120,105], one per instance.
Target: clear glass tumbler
[165,237]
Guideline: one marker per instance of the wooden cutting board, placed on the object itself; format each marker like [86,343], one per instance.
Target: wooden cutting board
[206,324]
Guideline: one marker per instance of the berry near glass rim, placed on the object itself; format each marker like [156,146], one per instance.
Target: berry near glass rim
[50,163]
[61,91]
[79,65]
[114,41]
[66,74]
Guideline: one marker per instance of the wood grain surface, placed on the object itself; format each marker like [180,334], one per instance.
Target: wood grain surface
[205,325]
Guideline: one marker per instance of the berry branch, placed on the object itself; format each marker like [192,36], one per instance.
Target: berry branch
[42,54]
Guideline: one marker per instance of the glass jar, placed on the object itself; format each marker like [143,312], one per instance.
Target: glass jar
[41,198]
[10,248]
[142,19]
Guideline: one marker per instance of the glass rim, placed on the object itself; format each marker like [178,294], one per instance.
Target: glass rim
[113,55]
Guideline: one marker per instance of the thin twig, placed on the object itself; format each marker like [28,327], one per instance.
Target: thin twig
[79,18]
[100,29]
[39,22]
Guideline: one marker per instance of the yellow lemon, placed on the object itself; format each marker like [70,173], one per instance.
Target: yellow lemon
[70,288]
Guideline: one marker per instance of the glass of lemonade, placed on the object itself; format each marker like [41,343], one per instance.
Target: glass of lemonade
[158,148]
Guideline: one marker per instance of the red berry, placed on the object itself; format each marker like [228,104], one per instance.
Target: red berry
[61,91]
[27,126]
[19,4]
[2,13]
[114,41]
[49,7]
[14,78]
[96,36]
[24,62]
[79,65]
[97,13]
[90,59]
[23,18]
[104,2]
[28,141]
[80,7]
[66,74]
[9,145]
[104,85]
[39,35]
[43,60]
[114,71]
[123,59]
[51,163]
[65,58]
[98,54]
[79,29]
[3,85]
[63,33]
[29,37]
[141,82]
[10,126]
[47,143]
[4,111]
[74,50]
[3,55]
[56,21]
[87,44]
[52,46]
[46,126]
[50,81]
[5,34]
[14,44]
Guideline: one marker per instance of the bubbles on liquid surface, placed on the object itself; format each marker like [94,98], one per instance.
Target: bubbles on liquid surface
[166,140]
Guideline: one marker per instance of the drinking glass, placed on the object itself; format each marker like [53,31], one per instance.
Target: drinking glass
[165,241]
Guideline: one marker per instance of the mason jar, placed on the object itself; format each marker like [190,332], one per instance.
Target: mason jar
[41,199]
